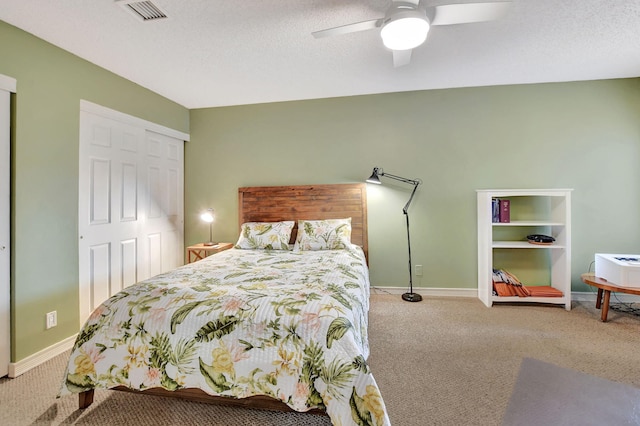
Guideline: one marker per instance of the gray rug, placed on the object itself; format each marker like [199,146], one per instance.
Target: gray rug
[546,394]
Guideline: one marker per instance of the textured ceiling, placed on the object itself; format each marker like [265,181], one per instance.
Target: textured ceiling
[226,52]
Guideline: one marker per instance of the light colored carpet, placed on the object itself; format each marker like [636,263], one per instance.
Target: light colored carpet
[443,361]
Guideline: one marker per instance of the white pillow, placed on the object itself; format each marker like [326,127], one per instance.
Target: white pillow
[265,235]
[329,234]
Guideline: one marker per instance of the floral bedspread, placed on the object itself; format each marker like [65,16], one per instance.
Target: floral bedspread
[290,325]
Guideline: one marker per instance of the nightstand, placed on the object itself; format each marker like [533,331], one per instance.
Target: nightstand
[200,251]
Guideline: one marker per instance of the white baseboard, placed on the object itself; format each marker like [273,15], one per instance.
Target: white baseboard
[472,292]
[615,297]
[32,361]
[426,292]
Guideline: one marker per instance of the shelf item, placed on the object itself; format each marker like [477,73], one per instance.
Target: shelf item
[540,243]
[531,211]
[500,210]
[540,239]
[526,291]
[544,291]
[505,210]
[201,250]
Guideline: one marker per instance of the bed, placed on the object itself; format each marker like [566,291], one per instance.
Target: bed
[278,322]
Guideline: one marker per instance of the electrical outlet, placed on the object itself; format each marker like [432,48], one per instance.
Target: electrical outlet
[52,319]
[419,270]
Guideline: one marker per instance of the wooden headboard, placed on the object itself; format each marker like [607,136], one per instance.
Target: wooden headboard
[309,202]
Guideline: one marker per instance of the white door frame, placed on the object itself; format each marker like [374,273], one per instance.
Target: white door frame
[7,86]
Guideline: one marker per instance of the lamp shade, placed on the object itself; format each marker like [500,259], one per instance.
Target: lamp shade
[207,216]
[375,178]
[405,32]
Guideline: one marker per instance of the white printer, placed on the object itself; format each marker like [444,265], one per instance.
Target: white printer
[619,269]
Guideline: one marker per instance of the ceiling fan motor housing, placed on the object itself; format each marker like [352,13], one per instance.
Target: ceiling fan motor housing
[405,26]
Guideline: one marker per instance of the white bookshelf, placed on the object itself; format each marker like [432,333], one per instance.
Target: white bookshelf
[541,211]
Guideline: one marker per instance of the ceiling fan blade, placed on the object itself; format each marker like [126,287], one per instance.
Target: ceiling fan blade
[401,57]
[349,28]
[449,14]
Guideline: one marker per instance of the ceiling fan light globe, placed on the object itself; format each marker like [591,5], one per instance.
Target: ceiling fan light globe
[405,33]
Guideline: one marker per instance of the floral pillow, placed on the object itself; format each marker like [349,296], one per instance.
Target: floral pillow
[329,234]
[265,235]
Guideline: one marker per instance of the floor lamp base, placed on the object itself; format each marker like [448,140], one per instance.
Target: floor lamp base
[411,297]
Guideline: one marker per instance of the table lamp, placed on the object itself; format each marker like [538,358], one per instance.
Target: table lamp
[208,217]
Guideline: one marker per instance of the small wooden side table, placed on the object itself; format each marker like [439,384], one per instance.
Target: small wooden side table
[606,287]
[200,251]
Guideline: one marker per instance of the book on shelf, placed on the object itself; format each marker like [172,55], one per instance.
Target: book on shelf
[500,210]
[505,210]
[495,210]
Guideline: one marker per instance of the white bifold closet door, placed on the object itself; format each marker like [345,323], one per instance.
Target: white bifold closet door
[130,206]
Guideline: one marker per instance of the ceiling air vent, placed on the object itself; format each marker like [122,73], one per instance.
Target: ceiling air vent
[143,9]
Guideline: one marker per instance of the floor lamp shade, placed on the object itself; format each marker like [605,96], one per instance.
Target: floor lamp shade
[377,173]
[375,176]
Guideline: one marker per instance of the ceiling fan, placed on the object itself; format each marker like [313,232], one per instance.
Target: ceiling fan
[407,22]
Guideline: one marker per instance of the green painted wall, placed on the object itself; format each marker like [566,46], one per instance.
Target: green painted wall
[583,135]
[50,84]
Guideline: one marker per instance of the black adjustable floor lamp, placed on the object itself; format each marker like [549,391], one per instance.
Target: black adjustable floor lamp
[375,178]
